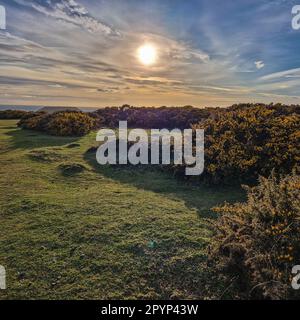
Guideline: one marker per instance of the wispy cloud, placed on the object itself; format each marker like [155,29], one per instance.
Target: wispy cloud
[71,12]
[259,64]
[292,73]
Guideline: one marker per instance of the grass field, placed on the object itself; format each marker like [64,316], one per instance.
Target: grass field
[101,232]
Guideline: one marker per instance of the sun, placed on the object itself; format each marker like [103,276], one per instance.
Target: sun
[147,54]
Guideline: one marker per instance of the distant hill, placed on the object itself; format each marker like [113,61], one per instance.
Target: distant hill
[37,108]
[57,109]
[22,108]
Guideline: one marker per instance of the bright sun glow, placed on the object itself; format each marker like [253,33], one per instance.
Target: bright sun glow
[147,54]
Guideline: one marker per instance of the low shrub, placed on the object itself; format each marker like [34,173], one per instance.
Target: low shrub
[60,123]
[12,114]
[151,117]
[258,242]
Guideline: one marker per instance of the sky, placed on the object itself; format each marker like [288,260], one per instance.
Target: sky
[209,52]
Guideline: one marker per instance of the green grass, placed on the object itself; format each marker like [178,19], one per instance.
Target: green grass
[99,232]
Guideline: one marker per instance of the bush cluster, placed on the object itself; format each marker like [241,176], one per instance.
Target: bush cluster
[60,123]
[258,242]
[152,118]
[12,114]
[246,141]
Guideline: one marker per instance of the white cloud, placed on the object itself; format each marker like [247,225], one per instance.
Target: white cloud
[71,12]
[259,64]
[292,73]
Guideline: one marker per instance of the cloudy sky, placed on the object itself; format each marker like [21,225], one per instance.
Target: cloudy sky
[209,52]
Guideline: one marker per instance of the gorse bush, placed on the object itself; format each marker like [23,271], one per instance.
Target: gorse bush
[60,123]
[151,117]
[136,117]
[70,124]
[244,142]
[33,121]
[241,142]
[12,114]
[258,242]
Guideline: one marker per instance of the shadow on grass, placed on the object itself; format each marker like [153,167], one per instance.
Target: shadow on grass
[28,139]
[200,198]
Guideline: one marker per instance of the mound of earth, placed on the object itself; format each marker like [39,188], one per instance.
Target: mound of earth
[45,155]
[70,169]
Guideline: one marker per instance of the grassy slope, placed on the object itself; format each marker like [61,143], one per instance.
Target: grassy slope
[88,235]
